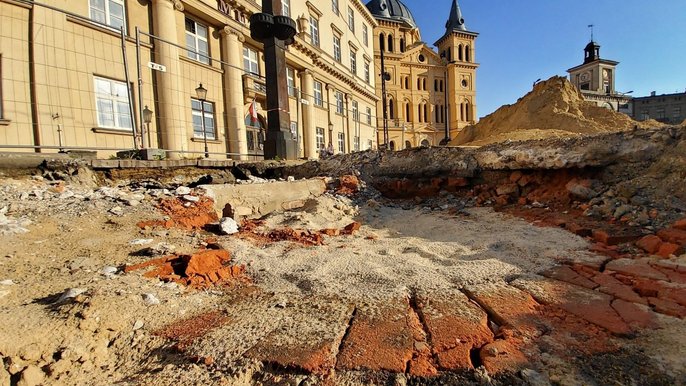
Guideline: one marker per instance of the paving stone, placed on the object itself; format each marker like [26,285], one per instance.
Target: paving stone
[502,356]
[456,326]
[638,268]
[566,274]
[662,289]
[672,235]
[636,316]
[650,244]
[611,286]
[668,308]
[669,249]
[616,236]
[593,306]
[308,339]
[379,339]
[508,306]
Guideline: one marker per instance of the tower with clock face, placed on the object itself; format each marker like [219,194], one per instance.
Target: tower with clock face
[595,78]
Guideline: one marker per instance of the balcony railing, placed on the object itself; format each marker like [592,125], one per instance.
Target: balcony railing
[254,86]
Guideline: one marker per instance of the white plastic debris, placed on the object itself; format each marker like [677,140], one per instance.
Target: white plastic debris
[228,225]
[150,299]
[183,190]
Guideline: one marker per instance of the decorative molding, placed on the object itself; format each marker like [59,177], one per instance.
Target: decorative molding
[4,122]
[229,30]
[209,141]
[18,3]
[104,130]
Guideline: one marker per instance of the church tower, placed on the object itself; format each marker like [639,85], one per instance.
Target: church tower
[457,49]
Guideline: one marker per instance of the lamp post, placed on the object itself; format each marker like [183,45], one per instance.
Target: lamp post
[276,32]
[147,118]
[384,77]
[330,132]
[202,97]
[446,140]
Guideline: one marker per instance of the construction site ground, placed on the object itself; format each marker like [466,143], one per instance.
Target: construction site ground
[372,277]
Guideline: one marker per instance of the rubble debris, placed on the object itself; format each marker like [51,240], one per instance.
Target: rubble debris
[11,226]
[348,185]
[554,108]
[70,293]
[201,270]
[228,225]
[195,216]
[150,299]
[185,331]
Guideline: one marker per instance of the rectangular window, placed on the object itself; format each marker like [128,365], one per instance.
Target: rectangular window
[660,113]
[112,104]
[286,7]
[290,80]
[370,144]
[294,130]
[320,137]
[675,114]
[369,115]
[199,131]
[337,48]
[356,143]
[367,76]
[250,64]
[318,99]
[351,19]
[196,41]
[339,102]
[356,112]
[314,31]
[353,61]
[645,116]
[365,35]
[341,142]
[108,12]
[334,6]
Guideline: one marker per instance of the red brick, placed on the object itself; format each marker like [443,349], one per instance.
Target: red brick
[635,316]
[650,244]
[457,182]
[667,307]
[378,340]
[672,275]
[614,287]
[636,268]
[681,224]
[456,326]
[508,306]
[611,237]
[502,356]
[566,274]
[668,249]
[672,235]
[579,230]
[516,176]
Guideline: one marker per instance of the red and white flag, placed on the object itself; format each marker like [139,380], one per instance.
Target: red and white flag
[253,112]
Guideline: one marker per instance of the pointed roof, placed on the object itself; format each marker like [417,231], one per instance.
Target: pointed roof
[455,20]
[393,10]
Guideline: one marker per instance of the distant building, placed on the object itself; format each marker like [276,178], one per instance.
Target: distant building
[596,80]
[426,90]
[666,108]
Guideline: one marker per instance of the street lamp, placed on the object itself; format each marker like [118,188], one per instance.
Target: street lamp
[446,139]
[202,97]
[147,118]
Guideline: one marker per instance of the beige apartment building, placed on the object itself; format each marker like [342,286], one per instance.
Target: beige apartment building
[426,90]
[70,79]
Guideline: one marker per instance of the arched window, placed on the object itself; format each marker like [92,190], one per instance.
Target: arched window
[390,43]
[435,84]
[426,115]
[419,83]
[450,55]
[437,115]
[382,42]
[407,111]
[424,84]
[419,112]
[426,143]
[391,145]
[467,54]
[462,112]
[408,144]
[459,52]
[467,111]
[407,82]
[391,115]
[402,45]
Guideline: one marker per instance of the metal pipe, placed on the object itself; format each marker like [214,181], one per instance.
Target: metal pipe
[144,143]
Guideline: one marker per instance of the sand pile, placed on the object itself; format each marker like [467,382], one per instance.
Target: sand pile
[554,108]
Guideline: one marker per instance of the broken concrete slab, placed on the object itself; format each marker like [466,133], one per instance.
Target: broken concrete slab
[257,200]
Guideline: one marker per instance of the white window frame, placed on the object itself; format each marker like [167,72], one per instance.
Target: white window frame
[209,114]
[107,16]
[119,106]
[194,50]
[365,35]
[339,102]
[356,143]
[294,130]
[341,142]
[676,113]
[290,81]
[337,48]
[250,60]
[318,94]
[369,115]
[367,72]
[353,61]
[334,7]
[319,135]
[370,144]
[286,7]
[351,20]
[356,111]
[314,31]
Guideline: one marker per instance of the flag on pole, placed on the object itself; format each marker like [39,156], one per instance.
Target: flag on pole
[253,112]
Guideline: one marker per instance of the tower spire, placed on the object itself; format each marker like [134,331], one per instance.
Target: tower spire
[455,20]
[591,27]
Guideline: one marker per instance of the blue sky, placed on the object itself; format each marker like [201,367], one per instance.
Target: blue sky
[523,40]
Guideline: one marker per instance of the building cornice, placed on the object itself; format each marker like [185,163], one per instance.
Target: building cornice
[593,63]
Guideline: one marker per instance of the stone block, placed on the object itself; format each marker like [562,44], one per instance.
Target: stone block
[650,244]
[105,163]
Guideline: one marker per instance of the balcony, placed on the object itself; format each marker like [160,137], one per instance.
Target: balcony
[254,86]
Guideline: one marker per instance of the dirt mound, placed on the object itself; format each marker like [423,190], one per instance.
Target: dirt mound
[201,270]
[554,108]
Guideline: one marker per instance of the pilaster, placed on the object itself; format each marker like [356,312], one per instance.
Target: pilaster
[232,48]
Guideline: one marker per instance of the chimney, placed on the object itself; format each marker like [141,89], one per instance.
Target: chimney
[653,93]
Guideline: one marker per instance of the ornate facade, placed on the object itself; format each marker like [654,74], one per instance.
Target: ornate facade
[427,92]
[69,87]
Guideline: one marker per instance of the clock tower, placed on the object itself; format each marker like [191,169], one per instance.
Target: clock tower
[595,78]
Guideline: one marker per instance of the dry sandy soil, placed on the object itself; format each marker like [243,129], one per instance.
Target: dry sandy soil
[415,296]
